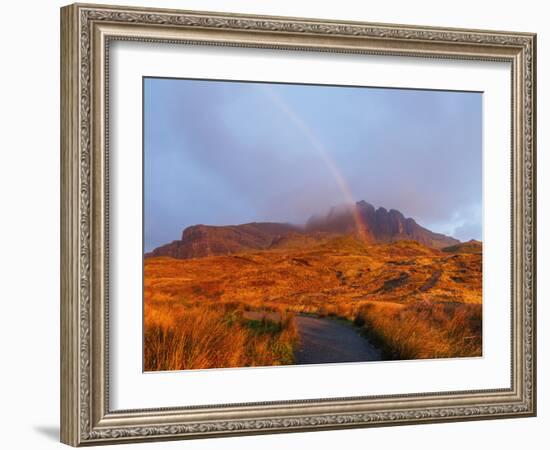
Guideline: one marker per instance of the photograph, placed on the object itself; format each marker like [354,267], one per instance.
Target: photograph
[293,224]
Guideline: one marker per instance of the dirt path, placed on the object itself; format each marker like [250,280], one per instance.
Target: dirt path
[328,341]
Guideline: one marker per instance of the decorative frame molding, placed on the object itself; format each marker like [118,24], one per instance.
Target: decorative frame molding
[86,31]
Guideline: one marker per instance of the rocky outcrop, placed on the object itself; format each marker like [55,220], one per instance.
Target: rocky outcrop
[377,225]
[362,219]
[205,240]
[472,246]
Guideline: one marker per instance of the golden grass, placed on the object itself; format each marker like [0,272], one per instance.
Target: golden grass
[423,329]
[210,312]
[180,335]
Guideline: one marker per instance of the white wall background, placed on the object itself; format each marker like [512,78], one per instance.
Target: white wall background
[29,224]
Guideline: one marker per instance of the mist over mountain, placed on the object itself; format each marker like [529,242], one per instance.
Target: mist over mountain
[362,220]
[377,225]
[222,149]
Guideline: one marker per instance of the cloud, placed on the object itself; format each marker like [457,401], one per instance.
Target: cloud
[223,152]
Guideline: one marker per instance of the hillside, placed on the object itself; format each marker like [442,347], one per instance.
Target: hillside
[361,220]
[472,246]
[246,309]
[378,225]
[241,295]
[205,240]
[338,271]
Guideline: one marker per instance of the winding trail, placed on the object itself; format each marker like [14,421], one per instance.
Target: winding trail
[328,341]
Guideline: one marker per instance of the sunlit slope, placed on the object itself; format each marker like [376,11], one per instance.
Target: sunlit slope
[322,272]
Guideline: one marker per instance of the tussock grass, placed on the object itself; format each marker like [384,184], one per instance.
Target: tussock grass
[237,310]
[424,329]
[180,335]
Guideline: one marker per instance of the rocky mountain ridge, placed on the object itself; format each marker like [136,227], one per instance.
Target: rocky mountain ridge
[361,220]
[377,225]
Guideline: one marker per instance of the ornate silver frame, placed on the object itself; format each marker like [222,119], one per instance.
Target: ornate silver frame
[86,31]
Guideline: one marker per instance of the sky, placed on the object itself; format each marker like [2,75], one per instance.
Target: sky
[225,152]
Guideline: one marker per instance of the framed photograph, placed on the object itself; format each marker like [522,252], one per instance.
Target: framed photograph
[276,224]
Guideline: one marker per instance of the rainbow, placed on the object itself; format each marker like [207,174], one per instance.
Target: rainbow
[323,153]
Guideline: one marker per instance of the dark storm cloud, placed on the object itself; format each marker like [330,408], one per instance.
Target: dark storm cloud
[225,153]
